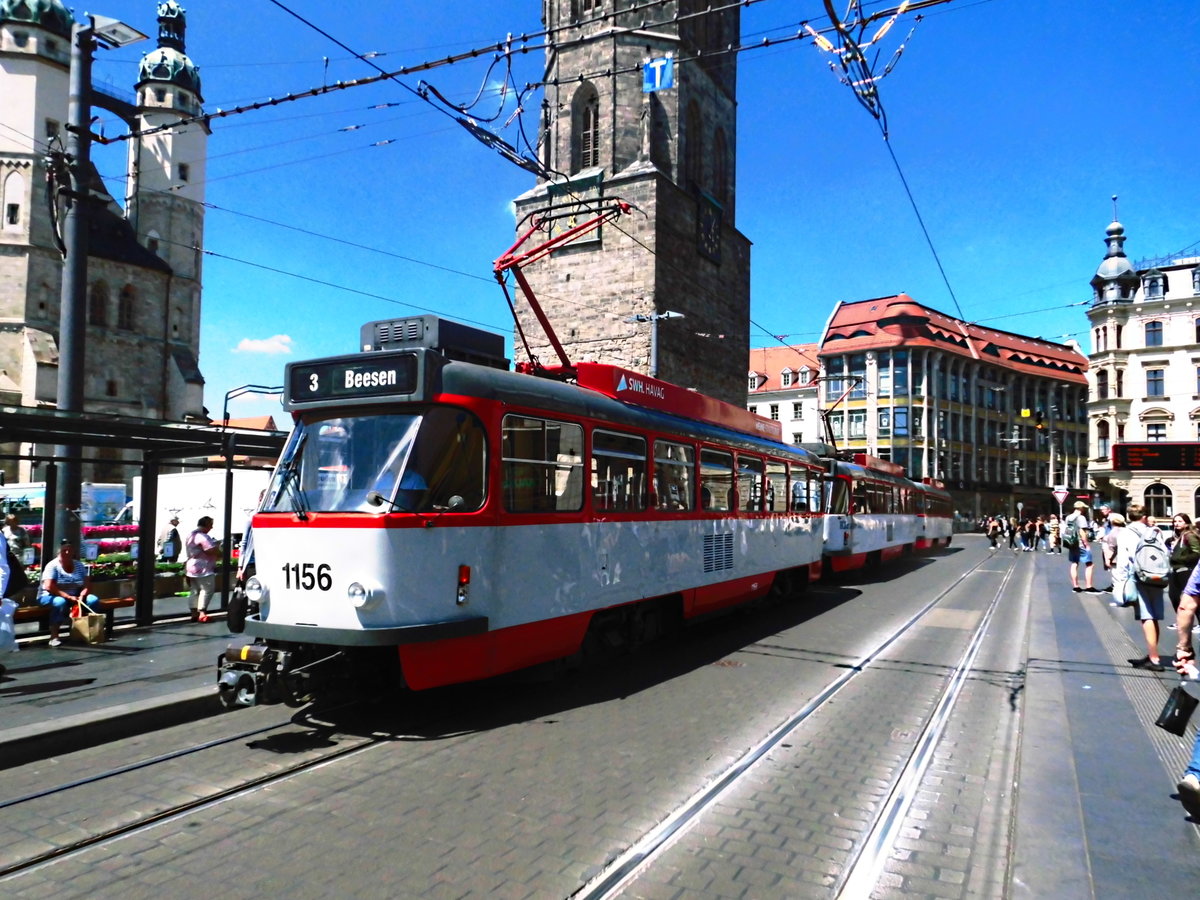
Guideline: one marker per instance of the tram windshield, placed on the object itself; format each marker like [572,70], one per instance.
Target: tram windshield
[428,460]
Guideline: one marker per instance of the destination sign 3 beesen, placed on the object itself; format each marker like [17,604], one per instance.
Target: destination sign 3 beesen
[385,375]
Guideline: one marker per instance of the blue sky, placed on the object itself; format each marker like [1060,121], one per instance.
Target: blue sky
[1014,121]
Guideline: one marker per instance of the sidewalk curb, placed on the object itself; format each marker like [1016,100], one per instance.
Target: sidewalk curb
[27,743]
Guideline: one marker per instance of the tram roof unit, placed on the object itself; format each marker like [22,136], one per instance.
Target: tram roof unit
[422,374]
[357,377]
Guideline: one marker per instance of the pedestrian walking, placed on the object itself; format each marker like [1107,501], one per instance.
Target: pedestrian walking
[201,568]
[1101,528]
[1028,535]
[169,544]
[1148,598]
[1043,534]
[1011,529]
[993,531]
[1186,619]
[1185,553]
[1108,547]
[1055,529]
[1075,539]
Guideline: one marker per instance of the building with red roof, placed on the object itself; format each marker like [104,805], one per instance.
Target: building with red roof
[1000,418]
[783,386]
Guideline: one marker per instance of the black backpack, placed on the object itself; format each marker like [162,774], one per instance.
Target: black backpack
[17,579]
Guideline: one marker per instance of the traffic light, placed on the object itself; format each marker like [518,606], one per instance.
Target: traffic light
[1040,421]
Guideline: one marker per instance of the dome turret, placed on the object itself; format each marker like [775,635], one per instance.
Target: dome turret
[1115,280]
[48,14]
[169,63]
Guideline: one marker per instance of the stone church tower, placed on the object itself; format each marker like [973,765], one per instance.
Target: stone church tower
[670,153]
[143,294]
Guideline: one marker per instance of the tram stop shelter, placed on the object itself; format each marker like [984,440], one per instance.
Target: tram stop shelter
[157,442]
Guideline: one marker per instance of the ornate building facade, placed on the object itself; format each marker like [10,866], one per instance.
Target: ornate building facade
[1144,409]
[999,418]
[671,154]
[144,271]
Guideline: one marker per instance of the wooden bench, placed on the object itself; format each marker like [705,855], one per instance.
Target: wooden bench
[41,614]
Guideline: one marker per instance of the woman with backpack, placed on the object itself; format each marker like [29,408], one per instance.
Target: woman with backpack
[1185,553]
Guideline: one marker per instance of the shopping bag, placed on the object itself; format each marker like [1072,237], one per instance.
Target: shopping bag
[88,627]
[8,637]
[1177,710]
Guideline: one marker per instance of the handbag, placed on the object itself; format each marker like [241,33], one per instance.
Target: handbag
[1176,711]
[88,627]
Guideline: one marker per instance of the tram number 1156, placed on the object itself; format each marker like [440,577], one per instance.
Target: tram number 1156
[308,576]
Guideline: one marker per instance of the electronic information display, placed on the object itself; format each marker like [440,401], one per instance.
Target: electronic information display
[362,376]
[1169,457]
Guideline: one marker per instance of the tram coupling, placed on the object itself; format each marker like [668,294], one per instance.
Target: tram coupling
[262,673]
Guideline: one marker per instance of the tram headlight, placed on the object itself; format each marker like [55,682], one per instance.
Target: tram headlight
[361,596]
[255,592]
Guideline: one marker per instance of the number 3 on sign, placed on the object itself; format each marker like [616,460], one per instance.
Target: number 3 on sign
[312,381]
[308,576]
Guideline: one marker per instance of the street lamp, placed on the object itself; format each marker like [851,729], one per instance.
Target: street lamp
[653,319]
[99,31]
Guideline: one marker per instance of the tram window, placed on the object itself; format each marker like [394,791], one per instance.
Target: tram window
[618,472]
[750,482]
[839,497]
[447,460]
[806,496]
[716,480]
[777,486]
[862,502]
[673,468]
[542,465]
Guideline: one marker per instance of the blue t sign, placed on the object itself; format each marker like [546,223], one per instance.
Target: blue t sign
[658,74]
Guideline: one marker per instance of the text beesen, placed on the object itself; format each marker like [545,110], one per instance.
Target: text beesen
[378,378]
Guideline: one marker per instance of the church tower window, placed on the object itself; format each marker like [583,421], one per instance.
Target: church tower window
[125,308]
[14,200]
[585,129]
[98,304]
[720,183]
[693,149]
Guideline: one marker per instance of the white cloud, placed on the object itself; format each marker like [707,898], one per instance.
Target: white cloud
[279,343]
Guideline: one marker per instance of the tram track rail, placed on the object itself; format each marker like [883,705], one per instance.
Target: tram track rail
[351,745]
[865,867]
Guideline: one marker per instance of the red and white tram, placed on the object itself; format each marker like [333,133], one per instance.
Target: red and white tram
[476,521]
[874,514]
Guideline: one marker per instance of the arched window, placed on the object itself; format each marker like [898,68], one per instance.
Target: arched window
[1102,440]
[585,129]
[98,304]
[1196,505]
[1102,385]
[1158,501]
[1154,334]
[125,308]
[152,240]
[693,143]
[14,201]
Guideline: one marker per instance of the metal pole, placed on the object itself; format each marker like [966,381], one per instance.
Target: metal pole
[73,311]
[654,345]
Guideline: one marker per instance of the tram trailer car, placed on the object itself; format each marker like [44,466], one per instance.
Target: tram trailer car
[874,514]
[474,521]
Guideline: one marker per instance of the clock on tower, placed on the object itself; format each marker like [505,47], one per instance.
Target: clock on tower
[708,228]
